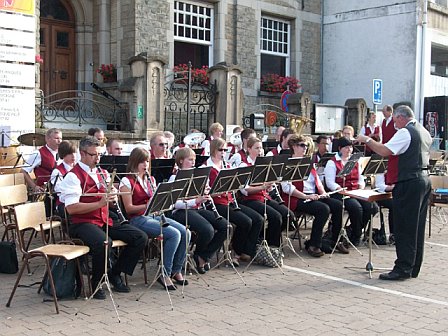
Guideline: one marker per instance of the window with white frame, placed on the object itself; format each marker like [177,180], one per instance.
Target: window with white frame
[193,33]
[274,46]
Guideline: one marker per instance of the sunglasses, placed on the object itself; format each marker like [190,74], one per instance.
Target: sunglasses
[163,144]
[222,149]
[302,145]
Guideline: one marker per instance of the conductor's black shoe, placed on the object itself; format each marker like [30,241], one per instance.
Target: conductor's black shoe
[394,276]
[100,294]
[118,284]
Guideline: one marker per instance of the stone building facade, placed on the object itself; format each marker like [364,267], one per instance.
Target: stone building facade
[222,32]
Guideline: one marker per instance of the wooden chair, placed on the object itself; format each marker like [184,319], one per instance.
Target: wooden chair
[11,196]
[438,201]
[11,179]
[28,217]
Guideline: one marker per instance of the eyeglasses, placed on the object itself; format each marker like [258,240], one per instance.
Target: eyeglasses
[163,144]
[222,149]
[302,145]
[92,154]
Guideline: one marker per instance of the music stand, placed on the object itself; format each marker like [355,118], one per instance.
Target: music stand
[295,169]
[200,160]
[196,181]
[346,170]
[265,172]
[325,158]
[114,162]
[164,197]
[359,149]
[162,169]
[230,180]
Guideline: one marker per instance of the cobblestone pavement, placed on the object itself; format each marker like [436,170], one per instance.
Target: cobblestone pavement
[326,296]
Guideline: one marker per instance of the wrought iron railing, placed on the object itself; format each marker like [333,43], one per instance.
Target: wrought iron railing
[75,107]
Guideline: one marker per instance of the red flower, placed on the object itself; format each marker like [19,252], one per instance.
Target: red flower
[276,83]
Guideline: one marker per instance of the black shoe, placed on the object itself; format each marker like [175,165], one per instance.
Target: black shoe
[183,282]
[200,269]
[169,287]
[118,284]
[394,276]
[207,267]
[100,294]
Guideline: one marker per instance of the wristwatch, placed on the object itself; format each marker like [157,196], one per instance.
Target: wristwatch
[368,139]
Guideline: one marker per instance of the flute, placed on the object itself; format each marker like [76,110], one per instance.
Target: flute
[327,194]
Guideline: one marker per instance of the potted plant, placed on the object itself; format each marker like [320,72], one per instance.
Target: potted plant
[277,84]
[198,75]
[108,72]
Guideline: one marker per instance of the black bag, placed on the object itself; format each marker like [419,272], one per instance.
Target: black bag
[65,277]
[9,263]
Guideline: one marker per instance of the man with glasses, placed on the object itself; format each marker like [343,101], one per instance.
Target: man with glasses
[408,152]
[159,146]
[323,143]
[89,218]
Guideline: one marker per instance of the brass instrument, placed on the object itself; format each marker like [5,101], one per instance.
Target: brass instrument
[297,123]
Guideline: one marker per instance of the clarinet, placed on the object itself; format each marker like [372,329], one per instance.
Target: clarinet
[116,205]
[235,202]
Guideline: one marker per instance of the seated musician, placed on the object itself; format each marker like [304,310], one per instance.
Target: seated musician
[89,218]
[319,204]
[159,145]
[99,134]
[66,151]
[175,236]
[383,185]
[216,131]
[247,221]
[241,155]
[211,231]
[278,138]
[255,197]
[43,161]
[372,130]
[283,142]
[323,146]
[114,147]
[234,148]
[359,211]
[170,138]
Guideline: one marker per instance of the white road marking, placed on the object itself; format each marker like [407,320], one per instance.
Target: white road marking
[359,284]
[436,244]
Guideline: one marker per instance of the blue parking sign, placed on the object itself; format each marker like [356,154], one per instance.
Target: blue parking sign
[377,91]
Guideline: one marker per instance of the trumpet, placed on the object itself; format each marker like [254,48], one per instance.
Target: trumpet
[123,219]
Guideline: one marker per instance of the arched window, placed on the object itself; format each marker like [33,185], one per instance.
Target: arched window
[54,9]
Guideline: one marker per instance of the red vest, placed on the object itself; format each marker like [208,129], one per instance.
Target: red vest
[351,181]
[391,176]
[243,154]
[294,200]
[222,199]
[47,164]
[99,216]
[259,195]
[139,195]
[275,152]
[376,132]
[388,131]
[63,171]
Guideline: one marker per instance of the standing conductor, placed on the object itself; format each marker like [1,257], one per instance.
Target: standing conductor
[408,152]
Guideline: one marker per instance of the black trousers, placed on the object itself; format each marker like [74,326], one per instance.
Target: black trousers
[322,210]
[248,227]
[410,201]
[211,232]
[276,216]
[388,204]
[94,236]
[359,212]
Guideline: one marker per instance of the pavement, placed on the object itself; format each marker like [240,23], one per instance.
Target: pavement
[324,296]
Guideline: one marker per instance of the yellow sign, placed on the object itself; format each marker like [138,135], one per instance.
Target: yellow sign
[18,6]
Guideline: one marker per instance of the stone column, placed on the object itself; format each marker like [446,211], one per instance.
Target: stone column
[155,100]
[229,101]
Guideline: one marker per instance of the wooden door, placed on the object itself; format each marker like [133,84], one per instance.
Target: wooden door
[57,49]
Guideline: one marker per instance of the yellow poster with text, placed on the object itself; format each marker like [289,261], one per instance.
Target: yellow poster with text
[18,6]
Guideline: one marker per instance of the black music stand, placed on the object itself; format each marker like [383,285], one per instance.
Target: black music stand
[230,180]
[196,181]
[265,172]
[200,160]
[295,169]
[324,159]
[162,169]
[164,197]
[359,149]
[346,170]
[114,162]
